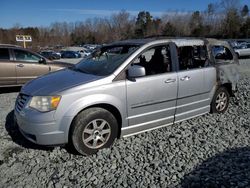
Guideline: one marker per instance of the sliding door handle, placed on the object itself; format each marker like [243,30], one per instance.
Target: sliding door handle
[185,78]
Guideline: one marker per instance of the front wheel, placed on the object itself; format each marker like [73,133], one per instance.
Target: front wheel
[220,101]
[92,130]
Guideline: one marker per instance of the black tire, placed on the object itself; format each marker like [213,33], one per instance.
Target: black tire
[220,100]
[92,130]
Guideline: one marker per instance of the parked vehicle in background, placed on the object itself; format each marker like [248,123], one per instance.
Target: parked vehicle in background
[51,55]
[58,53]
[70,54]
[85,52]
[91,46]
[126,88]
[243,50]
[19,65]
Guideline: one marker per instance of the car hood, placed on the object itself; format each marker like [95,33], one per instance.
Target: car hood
[58,81]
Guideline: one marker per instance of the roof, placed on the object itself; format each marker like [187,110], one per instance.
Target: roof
[188,42]
[177,41]
[138,42]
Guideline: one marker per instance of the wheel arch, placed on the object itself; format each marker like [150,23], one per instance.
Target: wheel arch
[112,109]
[228,86]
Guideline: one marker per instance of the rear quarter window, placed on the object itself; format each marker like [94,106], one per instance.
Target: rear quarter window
[221,53]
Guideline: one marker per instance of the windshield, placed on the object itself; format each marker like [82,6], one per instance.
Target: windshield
[105,60]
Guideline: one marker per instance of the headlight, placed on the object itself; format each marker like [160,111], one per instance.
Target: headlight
[45,103]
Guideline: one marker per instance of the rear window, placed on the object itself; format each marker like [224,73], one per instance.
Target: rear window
[4,54]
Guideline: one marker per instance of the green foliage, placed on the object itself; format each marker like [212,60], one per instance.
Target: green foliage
[231,24]
[211,9]
[169,30]
[244,11]
[143,23]
[146,26]
[196,24]
[245,29]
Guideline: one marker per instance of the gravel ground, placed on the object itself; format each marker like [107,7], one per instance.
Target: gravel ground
[208,151]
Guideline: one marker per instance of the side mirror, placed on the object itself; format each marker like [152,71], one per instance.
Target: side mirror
[42,61]
[136,71]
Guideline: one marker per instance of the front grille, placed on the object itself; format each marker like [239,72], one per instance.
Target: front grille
[21,101]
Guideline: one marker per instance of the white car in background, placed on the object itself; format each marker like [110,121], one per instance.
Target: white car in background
[85,52]
[243,50]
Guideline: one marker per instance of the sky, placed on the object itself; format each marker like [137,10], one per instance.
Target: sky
[40,13]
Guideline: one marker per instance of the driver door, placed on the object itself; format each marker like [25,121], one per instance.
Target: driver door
[151,99]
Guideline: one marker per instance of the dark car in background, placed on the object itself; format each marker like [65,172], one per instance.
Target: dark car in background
[19,65]
[70,54]
[51,55]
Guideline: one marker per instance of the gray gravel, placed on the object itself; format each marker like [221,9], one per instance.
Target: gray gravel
[208,151]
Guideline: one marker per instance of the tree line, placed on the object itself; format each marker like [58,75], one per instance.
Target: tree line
[226,19]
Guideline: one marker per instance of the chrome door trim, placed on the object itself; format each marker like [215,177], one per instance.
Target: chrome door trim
[125,132]
[149,113]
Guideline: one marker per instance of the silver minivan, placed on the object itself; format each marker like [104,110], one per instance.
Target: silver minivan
[126,88]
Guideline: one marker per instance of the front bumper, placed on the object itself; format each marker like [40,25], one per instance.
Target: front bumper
[45,131]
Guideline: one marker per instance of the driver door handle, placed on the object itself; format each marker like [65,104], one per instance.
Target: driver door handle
[170,81]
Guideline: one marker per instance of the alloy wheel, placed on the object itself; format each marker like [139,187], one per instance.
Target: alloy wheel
[96,133]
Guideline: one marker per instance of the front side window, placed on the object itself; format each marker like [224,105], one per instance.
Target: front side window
[4,54]
[155,60]
[106,60]
[221,53]
[22,55]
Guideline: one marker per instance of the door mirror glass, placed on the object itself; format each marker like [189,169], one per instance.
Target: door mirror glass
[136,71]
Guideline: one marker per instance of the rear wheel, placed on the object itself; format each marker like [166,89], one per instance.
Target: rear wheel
[92,130]
[220,101]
